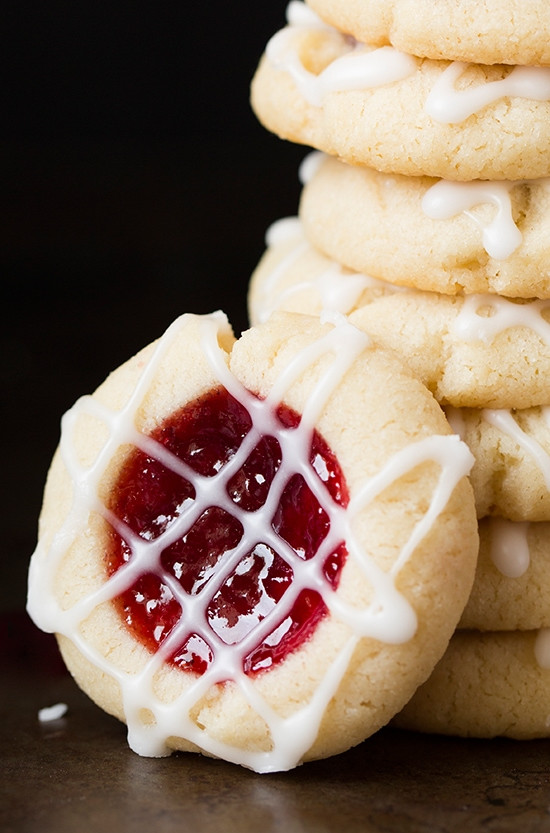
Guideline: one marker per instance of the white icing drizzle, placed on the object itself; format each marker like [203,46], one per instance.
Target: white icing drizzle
[338,290]
[50,713]
[501,237]
[505,422]
[298,14]
[310,165]
[482,317]
[455,418]
[279,232]
[542,649]
[390,617]
[363,67]
[510,547]
[448,105]
[282,231]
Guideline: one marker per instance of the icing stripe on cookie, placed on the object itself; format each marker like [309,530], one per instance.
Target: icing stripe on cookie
[482,317]
[504,421]
[509,547]
[310,165]
[362,67]
[448,105]
[542,650]
[501,236]
[366,67]
[338,289]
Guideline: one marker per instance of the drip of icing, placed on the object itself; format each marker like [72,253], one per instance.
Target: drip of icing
[299,14]
[455,418]
[390,617]
[510,547]
[448,105]
[505,422]
[338,290]
[501,237]
[503,313]
[282,231]
[542,648]
[363,67]
[481,316]
[310,165]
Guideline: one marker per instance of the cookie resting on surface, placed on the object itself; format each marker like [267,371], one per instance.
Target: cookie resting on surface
[213,548]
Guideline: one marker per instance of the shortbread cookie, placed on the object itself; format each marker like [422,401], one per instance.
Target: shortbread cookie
[400,114]
[214,551]
[511,474]
[295,277]
[512,585]
[478,351]
[431,234]
[487,685]
[490,32]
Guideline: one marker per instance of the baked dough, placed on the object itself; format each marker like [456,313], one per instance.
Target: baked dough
[398,598]
[477,351]
[512,585]
[295,277]
[400,114]
[431,234]
[491,32]
[511,473]
[486,685]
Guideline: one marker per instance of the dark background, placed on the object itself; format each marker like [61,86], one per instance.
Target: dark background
[136,185]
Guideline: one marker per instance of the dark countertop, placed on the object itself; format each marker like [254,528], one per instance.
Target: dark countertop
[77,773]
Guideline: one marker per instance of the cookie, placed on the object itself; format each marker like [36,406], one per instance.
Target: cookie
[477,351]
[214,552]
[511,589]
[294,277]
[511,473]
[442,236]
[400,114]
[491,32]
[487,685]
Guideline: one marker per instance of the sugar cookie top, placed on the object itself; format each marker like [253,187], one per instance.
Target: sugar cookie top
[214,551]
[488,32]
[388,110]
[448,237]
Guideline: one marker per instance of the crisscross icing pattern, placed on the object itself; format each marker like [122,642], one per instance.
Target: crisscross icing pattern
[389,618]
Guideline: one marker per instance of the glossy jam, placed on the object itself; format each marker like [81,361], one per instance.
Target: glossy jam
[148,497]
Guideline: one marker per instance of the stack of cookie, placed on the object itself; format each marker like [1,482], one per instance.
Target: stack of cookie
[425,218]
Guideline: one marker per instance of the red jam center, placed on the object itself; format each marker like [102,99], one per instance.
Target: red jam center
[148,497]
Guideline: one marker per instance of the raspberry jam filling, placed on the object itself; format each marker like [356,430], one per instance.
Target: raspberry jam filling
[218,556]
